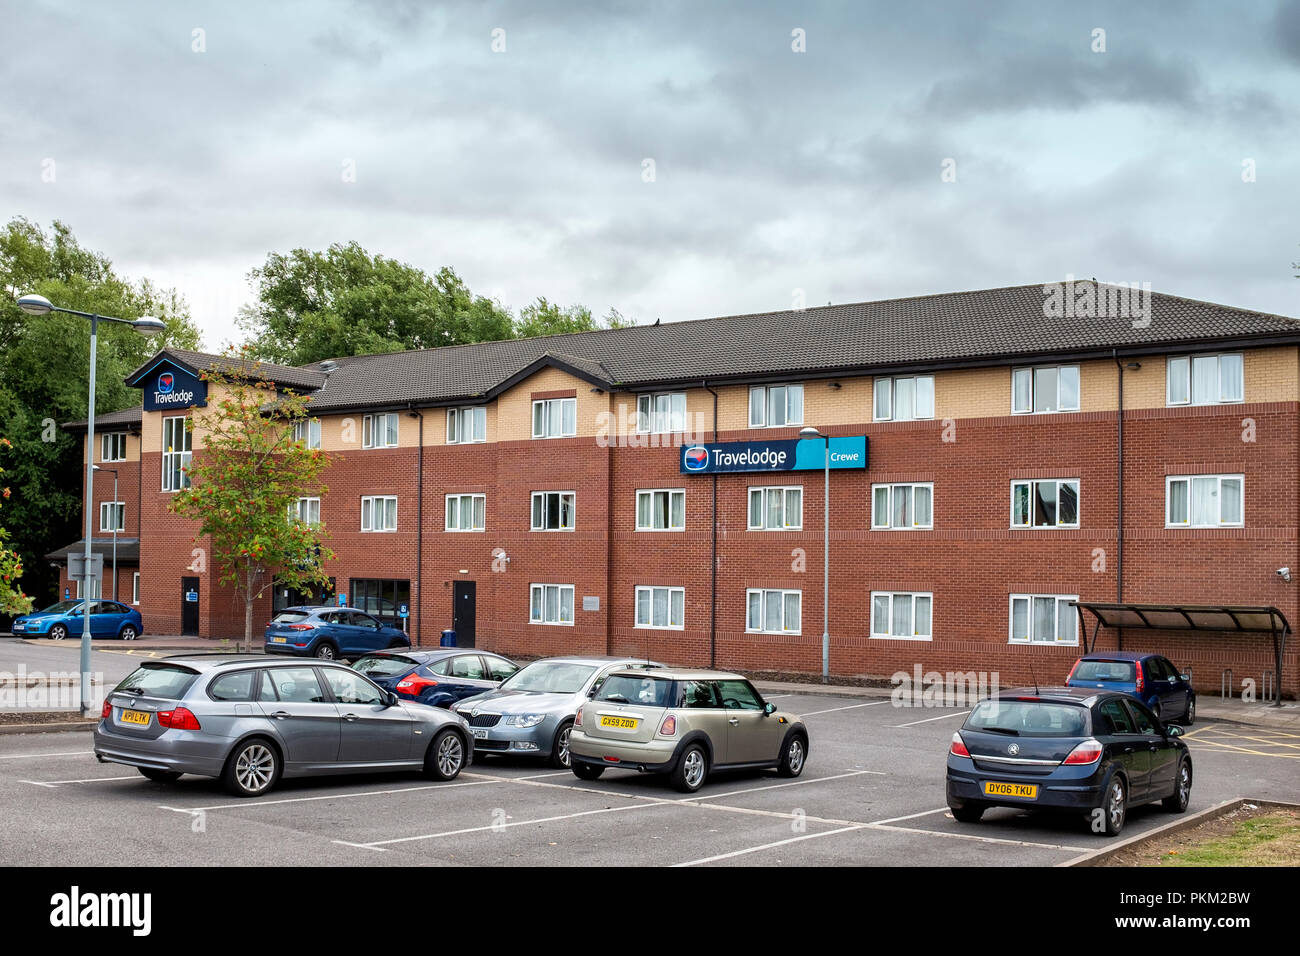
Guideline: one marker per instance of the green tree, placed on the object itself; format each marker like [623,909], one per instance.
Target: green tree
[245,482]
[44,367]
[12,599]
[547,318]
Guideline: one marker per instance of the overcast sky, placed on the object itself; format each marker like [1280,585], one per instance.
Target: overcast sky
[187,140]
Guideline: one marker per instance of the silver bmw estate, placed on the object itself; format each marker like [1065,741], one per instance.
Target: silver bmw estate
[252,720]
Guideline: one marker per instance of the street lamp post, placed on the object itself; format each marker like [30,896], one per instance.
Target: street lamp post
[811,432]
[145,325]
[115,528]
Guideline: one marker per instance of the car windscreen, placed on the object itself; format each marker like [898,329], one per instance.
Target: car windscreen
[1028,718]
[387,665]
[1114,671]
[159,680]
[290,617]
[637,689]
[550,677]
[62,607]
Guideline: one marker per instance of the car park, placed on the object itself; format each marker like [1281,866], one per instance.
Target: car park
[251,720]
[531,714]
[329,633]
[438,677]
[1150,678]
[1096,752]
[107,619]
[686,724]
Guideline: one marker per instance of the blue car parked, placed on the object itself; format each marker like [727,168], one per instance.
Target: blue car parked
[1149,678]
[107,619]
[330,633]
[437,677]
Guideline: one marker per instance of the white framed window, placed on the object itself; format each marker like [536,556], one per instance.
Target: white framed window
[112,447]
[1205,501]
[903,399]
[776,509]
[661,509]
[1205,379]
[1044,619]
[379,513]
[1045,504]
[306,510]
[307,431]
[775,406]
[661,413]
[379,431]
[112,516]
[96,589]
[901,615]
[551,604]
[135,588]
[466,512]
[178,451]
[904,507]
[555,418]
[662,608]
[554,511]
[1045,388]
[466,425]
[773,611]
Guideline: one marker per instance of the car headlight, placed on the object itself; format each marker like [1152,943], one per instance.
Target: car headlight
[523,720]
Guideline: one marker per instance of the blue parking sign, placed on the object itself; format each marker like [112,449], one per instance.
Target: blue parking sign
[343,600]
[403,611]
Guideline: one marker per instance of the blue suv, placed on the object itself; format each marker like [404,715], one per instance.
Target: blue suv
[330,633]
[1147,677]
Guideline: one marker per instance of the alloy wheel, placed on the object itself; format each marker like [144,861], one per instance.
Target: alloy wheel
[450,755]
[795,755]
[255,768]
[694,772]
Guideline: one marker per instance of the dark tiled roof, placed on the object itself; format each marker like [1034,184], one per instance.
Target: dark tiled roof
[127,416]
[308,378]
[128,551]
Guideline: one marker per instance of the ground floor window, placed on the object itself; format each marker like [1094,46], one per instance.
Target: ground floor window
[661,607]
[551,604]
[381,598]
[901,615]
[135,588]
[1044,619]
[283,596]
[773,612]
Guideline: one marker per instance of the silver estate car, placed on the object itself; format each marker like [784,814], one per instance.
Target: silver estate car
[531,713]
[250,720]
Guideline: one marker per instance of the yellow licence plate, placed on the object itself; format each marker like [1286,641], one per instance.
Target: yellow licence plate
[279,640]
[1023,791]
[141,717]
[622,723]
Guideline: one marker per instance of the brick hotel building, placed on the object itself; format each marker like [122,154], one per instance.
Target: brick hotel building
[535,494]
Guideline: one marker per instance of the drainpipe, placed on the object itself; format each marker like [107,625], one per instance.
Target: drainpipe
[713,553]
[1119,483]
[419,527]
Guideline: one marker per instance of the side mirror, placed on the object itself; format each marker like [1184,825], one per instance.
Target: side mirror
[769,708]
[390,698]
[1173,730]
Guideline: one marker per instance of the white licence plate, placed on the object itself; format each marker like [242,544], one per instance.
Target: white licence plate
[480,734]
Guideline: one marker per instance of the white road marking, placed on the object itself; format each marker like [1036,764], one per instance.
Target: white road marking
[66,753]
[928,719]
[56,783]
[493,826]
[980,839]
[910,816]
[767,846]
[775,786]
[814,713]
[252,804]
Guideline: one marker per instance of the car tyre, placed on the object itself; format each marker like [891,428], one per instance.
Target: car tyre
[446,756]
[587,771]
[1114,806]
[252,768]
[691,770]
[128,633]
[1182,795]
[793,756]
[58,632]
[160,776]
[325,651]
[969,812]
[560,748]
[1189,715]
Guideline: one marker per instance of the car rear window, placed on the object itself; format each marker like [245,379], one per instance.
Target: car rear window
[290,617]
[159,680]
[637,689]
[389,665]
[1114,671]
[1028,718]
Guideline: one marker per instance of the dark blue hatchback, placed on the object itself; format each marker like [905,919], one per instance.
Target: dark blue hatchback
[436,677]
[1147,677]
[330,633]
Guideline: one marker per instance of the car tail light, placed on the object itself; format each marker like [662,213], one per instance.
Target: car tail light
[1070,676]
[958,748]
[107,711]
[669,727]
[415,684]
[179,719]
[1085,753]
[1138,665]
[302,627]
[577,721]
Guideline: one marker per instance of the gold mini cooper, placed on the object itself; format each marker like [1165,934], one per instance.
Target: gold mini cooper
[684,723]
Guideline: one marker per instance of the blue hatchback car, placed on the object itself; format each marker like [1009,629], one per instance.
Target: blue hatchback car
[330,633]
[438,677]
[107,619]
[1150,678]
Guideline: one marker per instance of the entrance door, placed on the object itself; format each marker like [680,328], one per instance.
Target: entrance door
[190,606]
[463,612]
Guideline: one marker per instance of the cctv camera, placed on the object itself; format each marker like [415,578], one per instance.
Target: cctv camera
[1284,574]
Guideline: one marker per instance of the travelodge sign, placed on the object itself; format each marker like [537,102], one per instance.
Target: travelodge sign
[168,387]
[804,454]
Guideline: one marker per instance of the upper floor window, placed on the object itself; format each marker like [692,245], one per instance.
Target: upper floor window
[112,516]
[553,511]
[466,425]
[306,510]
[775,509]
[1205,379]
[178,451]
[555,418]
[379,513]
[307,431]
[1045,504]
[112,447]
[466,512]
[1204,501]
[774,611]
[906,507]
[774,406]
[379,431]
[1044,619]
[1048,388]
[903,399]
[661,510]
[665,412]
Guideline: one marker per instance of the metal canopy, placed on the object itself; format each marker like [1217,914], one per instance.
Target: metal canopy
[1193,617]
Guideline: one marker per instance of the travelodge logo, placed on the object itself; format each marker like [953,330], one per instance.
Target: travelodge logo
[174,388]
[696,459]
[165,383]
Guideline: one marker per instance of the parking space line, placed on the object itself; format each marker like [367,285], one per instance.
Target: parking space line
[981,839]
[767,846]
[56,783]
[379,844]
[910,816]
[775,786]
[928,719]
[66,753]
[814,713]
[251,804]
